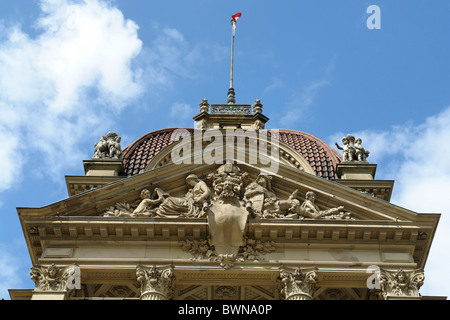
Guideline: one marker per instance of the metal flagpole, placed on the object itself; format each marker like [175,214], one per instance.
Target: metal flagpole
[231,97]
[232,55]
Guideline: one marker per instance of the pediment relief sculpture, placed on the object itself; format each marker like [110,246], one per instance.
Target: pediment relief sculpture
[309,209]
[264,203]
[160,204]
[228,186]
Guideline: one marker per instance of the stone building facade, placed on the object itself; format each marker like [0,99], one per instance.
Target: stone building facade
[228,210]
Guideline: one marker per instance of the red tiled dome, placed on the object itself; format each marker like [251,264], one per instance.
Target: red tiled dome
[322,158]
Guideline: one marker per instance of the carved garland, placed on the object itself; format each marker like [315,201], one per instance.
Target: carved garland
[251,249]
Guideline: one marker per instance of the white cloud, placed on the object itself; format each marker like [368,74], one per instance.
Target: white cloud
[170,56]
[276,83]
[60,87]
[424,186]
[182,113]
[11,275]
[63,87]
[9,160]
[417,158]
[300,102]
[181,110]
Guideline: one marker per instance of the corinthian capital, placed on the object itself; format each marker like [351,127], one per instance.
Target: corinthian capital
[298,284]
[399,284]
[54,278]
[157,283]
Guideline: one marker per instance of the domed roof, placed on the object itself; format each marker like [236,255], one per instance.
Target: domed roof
[321,157]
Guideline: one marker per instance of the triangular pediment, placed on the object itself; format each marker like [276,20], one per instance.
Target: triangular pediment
[110,212]
[171,179]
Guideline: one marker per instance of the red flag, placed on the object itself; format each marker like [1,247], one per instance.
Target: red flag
[234,17]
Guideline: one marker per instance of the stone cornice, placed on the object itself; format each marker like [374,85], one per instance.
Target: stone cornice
[381,189]
[332,232]
[79,184]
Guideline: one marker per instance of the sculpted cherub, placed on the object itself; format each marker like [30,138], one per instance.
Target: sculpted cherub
[348,148]
[101,148]
[108,147]
[361,153]
[115,150]
[352,149]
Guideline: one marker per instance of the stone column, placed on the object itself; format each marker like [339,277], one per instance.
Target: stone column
[398,285]
[157,283]
[298,284]
[55,283]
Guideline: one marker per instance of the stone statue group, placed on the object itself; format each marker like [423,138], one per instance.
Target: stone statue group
[352,149]
[108,147]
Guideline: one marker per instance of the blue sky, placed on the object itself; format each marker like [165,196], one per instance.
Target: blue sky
[70,71]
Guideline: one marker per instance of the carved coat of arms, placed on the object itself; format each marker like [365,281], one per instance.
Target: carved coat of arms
[227,214]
